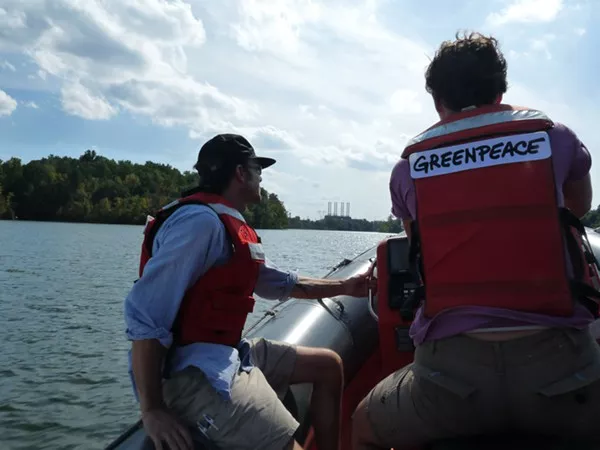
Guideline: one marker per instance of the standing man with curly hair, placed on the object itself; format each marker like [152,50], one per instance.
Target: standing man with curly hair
[491,197]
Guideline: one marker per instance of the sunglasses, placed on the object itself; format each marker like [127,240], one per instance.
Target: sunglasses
[255,168]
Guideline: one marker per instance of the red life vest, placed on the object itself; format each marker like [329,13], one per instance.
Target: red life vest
[215,308]
[488,230]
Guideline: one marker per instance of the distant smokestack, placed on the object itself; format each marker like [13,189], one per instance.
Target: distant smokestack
[348,209]
[335,208]
[342,209]
[329,209]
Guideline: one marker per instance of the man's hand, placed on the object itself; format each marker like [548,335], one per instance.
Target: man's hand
[162,427]
[160,424]
[358,285]
[314,288]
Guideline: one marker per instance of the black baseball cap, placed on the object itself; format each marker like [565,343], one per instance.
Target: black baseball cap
[229,149]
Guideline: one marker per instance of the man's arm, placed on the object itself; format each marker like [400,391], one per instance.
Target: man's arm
[402,193]
[147,356]
[577,187]
[315,288]
[192,241]
[276,284]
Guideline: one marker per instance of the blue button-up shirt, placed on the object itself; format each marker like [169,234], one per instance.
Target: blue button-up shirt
[191,241]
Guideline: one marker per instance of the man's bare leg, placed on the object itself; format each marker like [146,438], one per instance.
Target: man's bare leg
[324,369]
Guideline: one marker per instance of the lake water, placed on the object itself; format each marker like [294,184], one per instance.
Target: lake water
[63,364]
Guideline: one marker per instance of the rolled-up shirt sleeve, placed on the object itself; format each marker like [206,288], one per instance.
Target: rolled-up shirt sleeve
[402,191]
[274,283]
[185,247]
[581,162]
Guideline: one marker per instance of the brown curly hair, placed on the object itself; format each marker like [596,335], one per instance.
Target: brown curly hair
[468,71]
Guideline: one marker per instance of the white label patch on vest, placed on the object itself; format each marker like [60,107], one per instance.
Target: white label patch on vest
[479,154]
[256,252]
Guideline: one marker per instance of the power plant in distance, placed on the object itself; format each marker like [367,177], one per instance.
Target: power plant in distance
[332,209]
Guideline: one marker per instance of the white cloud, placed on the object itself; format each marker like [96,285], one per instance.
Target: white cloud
[526,11]
[404,101]
[283,183]
[351,75]
[274,25]
[129,55]
[32,105]
[7,65]
[543,44]
[521,94]
[271,138]
[7,104]
[333,88]
[79,101]
[148,57]
[11,19]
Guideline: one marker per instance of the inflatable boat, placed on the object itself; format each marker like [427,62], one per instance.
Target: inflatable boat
[370,337]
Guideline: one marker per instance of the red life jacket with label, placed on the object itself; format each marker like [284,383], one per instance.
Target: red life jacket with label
[488,230]
[215,308]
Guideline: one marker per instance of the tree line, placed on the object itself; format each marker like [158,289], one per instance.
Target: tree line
[96,189]
[391,225]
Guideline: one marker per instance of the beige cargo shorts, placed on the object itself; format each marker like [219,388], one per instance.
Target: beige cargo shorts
[255,418]
[548,382]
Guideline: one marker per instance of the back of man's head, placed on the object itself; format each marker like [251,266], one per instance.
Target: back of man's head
[215,179]
[469,71]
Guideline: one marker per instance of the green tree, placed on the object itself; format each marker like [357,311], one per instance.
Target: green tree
[3,205]
[93,188]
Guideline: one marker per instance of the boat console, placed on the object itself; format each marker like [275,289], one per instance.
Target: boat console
[395,284]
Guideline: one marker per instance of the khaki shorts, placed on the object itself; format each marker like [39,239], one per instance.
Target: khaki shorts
[255,417]
[548,382]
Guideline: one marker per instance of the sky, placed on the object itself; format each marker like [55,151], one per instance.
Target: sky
[331,89]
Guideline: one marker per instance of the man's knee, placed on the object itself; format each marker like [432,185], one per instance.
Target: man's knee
[331,368]
[318,365]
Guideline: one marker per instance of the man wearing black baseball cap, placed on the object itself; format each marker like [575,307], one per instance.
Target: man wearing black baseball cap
[231,154]
[199,266]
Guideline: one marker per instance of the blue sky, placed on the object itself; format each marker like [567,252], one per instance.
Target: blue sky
[332,89]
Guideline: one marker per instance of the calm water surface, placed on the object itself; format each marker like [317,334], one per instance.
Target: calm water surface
[63,365]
